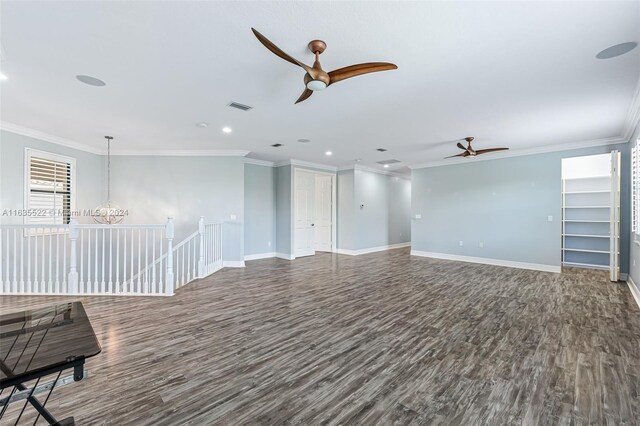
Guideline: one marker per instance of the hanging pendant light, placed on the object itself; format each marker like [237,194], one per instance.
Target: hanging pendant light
[108,214]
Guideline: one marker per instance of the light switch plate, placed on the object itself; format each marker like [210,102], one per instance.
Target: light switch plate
[549,218]
[418,216]
[461,243]
[234,217]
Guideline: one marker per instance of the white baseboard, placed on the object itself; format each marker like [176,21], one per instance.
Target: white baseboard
[635,290]
[285,256]
[487,261]
[233,263]
[259,256]
[372,249]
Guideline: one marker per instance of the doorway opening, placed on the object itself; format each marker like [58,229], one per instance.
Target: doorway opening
[314,212]
[591,212]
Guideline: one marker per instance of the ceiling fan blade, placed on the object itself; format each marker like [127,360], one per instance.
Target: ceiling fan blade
[464,154]
[279,52]
[461,146]
[485,151]
[305,95]
[359,69]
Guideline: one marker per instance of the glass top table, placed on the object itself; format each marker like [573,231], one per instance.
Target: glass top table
[40,342]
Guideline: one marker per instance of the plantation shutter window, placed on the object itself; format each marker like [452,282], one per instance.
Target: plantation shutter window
[50,192]
[635,188]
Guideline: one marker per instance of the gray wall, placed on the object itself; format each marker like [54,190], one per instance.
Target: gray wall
[259,209]
[504,203]
[12,185]
[185,188]
[345,231]
[283,210]
[384,218]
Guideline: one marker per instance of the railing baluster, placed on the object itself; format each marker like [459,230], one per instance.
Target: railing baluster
[103,262]
[14,286]
[29,284]
[57,282]
[43,281]
[65,282]
[82,282]
[146,261]
[118,261]
[96,282]
[21,287]
[110,260]
[138,283]
[73,267]
[153,272]
[125,285]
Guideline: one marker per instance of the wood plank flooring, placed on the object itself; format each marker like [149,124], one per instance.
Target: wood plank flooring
[382,339]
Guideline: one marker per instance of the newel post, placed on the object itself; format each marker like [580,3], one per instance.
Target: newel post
[169,273]
[201,272]
[73,257]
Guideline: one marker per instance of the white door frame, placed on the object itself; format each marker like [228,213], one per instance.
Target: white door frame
[334,210]
[614,218]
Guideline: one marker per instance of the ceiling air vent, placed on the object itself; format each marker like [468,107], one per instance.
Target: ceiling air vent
[381,149]
[388,162]
[239,106]
[276,145]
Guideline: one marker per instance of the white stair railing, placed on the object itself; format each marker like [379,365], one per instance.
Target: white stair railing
[105,259]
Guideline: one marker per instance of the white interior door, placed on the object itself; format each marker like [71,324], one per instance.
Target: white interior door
[304,194]
[323,211]
[614,218]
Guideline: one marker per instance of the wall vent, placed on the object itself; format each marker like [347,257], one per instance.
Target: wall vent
[276,145]
[241,107]
[388,162]
[381,149]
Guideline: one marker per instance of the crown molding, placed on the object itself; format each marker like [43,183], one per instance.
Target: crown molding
[524,152]
[363,168]
[36,134]
[183,153]
[632,120]
[257,162]
[294,162]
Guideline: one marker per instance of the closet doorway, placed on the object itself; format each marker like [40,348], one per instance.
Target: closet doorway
[591,212]
[314,212]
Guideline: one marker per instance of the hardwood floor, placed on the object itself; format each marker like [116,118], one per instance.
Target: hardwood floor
[382,339]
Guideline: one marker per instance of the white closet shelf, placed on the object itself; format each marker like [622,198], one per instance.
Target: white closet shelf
[587,177]
[603,191]
[587,221]
[586,207]
[586,251]
[586,236]
[585,265]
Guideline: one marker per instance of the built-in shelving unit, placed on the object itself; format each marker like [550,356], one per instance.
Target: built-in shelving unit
[585,222]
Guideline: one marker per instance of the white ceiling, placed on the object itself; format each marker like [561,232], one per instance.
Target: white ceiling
[517,74]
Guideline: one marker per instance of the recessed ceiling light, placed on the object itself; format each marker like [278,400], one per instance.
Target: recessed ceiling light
[617,50]
[91,81]
[3,77]
[304,140]
[202,124]
[226,129]
[386,166]
[328,153]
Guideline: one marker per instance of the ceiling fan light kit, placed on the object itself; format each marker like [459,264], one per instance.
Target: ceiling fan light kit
[316,79]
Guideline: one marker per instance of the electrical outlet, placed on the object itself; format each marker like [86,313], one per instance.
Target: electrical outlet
[233,217]
[418,216]
[481,244]
[461,243]
[269,243]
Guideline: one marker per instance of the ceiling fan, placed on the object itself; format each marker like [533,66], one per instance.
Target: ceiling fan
[470,152]
[316,78]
